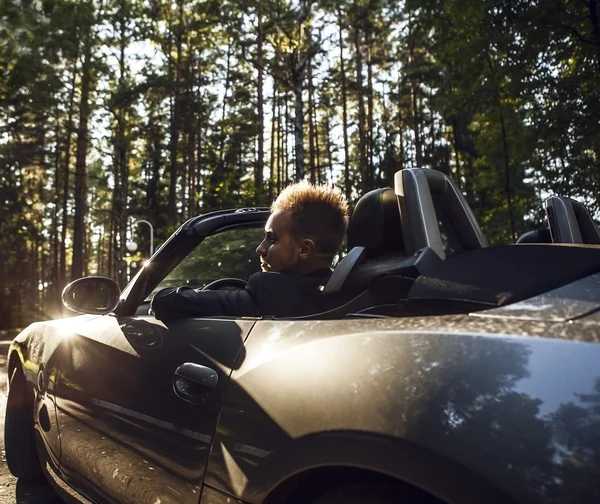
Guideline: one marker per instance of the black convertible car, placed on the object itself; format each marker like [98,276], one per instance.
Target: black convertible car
[431,368]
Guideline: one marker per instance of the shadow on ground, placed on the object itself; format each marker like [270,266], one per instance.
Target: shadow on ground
[35,493]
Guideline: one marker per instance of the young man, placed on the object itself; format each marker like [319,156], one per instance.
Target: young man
[302,236]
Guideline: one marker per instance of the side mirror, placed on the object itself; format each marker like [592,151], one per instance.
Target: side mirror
[94,295]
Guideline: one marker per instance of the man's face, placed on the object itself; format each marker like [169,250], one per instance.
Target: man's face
[279,251]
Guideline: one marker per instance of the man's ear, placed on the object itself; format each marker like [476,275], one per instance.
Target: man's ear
[307,248]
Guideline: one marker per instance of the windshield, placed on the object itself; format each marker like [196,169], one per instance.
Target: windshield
[229,254]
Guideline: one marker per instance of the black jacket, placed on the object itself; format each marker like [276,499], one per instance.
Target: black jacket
[266,294]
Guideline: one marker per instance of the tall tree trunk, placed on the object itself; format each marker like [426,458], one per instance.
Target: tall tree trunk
[113,245]
[193,170]
[284,145]
[298,86]
[87,250]
[200,135]
[55,290]
[154,154]
[184,170]
[370,140]
[347,181]
[507,178]
[416,124]
[317,151]
[401,137]
[33,280]
[224,106]
[298,61]
[189,154]
[274,139]
[62,270]
[414,94]
[173,150]
[329,147]
[316,132]
[311,127]
[432,135]
[191,140]
[506,154]
[100,257]
[258,172]
[78,267]
[122,162]
[361,113]
[175,79]
[457,174]
[41,131]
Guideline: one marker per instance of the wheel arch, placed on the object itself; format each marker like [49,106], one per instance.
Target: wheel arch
[342,457]
[311,483]
[19,428]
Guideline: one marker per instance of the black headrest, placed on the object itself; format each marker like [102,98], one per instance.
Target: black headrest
[536,236]
[435,213]
[375,224]
[570,221]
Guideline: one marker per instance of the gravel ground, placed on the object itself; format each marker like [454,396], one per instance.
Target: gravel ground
[11,490]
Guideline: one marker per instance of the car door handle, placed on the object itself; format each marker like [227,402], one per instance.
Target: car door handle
[194,383]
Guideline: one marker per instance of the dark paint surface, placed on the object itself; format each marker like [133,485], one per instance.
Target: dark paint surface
[441,384]
[126,436]
[471,408]
[565,303]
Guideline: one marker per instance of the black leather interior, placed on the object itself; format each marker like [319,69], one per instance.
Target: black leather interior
[338,276]
[374,234]
[375,225]
[504,274]
[570,221]
[536,236]
[376,251]
[420,248]
[390,227]
[434,213]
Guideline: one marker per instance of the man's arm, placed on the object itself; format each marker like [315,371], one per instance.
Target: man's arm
[266,294]
[183,302]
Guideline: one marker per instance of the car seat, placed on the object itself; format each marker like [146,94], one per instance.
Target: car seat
[398,235]
[570,221]
[434,213]
[426,210]
[374,234]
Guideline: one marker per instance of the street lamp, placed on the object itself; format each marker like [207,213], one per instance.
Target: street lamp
[132,245]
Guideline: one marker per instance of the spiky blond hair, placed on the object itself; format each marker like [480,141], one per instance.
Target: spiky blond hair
[319,212]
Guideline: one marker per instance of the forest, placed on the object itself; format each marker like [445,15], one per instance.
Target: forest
[112,111]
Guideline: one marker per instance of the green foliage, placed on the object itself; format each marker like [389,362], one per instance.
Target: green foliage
[503,96]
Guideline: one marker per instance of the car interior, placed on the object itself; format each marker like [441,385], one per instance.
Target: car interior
[569,221]
[418,249]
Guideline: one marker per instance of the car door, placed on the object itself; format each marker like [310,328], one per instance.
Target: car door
[138,400]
